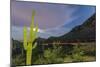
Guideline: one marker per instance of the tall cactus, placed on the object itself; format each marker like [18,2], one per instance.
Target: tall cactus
[28,43]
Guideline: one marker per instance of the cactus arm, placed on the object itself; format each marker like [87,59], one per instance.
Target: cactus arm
[36,30]
[34,46]
[33,14]
[35,33]
[25,37]
[32,26]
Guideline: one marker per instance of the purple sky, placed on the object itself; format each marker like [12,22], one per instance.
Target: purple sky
[47,15]
[52,19]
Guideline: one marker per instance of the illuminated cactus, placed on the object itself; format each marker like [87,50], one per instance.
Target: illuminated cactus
[28,43]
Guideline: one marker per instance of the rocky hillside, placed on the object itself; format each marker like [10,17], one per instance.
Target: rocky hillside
[83,32]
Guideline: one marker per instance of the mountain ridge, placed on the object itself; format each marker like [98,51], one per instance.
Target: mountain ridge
[85,31]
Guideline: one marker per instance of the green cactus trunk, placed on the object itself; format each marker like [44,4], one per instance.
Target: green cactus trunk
[29,54]
[28,44]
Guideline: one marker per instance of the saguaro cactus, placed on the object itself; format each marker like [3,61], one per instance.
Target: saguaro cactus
[28,43]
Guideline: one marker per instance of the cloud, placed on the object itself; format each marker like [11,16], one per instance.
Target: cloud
[39,30]
[54,32]
[17,32]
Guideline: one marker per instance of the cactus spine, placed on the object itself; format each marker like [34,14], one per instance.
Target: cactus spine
[28,46]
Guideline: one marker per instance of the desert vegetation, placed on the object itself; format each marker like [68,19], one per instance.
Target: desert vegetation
[55,54]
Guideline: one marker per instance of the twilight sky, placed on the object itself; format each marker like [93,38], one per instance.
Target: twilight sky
[52,19]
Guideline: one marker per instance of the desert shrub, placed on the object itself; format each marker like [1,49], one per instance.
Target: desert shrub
[18,60]
[48,58]
[50,55]
[53,55]
[67,50]
[77,54]
[89,50]
[35,54]
[40,60]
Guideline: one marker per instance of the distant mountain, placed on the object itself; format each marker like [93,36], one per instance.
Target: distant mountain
[85,31]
